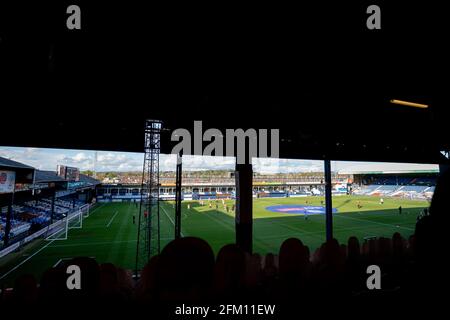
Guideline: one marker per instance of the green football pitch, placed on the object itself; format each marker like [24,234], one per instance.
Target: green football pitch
[109,235]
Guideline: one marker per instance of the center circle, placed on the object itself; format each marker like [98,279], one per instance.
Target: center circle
[298,209]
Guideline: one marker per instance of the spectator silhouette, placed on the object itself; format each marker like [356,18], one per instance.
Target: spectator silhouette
[25,290]
[294,268]
[431,239]
[185,270]
[90,280]
[146,288]
[329,273]
[53,285]
[229,273]
[109,286]
[354,270]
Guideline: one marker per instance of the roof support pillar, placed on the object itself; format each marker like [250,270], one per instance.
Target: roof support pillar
[244,207]
[328,201]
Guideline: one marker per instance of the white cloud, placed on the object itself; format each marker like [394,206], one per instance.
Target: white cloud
[271,166]
[48,159]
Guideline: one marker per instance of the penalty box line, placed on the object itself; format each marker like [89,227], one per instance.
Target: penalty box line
[162,207]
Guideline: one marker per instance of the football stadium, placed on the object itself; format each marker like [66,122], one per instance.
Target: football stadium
[64,214]
[263,161]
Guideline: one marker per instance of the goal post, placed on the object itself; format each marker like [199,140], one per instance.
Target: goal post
[60,229]
[85,210]
[75,220]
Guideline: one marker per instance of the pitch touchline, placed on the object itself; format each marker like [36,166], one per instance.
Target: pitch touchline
[31,256]
[181,233]
[91,243]
[110,221]
[28,258]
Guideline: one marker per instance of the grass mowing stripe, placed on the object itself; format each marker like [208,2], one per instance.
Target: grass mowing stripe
[373,222]
[300,231]
[125,236]
[321,232]
[230,226]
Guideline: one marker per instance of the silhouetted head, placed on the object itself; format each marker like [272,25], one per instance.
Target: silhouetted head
[53,285]
[330,253]
[397,244]
[293,256]
[229,270]
[90,277]
[353,249]
[384,247]
[109,283]
[269,261]
[185,268]
[25,289]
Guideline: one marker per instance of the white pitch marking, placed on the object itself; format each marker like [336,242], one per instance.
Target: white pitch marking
[31,256]
[58,262]
[181,233]
[110,221]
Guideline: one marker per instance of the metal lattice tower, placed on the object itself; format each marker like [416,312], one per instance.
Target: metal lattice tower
[148,242]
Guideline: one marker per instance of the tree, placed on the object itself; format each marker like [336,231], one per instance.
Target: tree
[89,173]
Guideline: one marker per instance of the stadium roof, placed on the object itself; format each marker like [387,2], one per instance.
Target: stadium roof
[47,176]
[52,176]
[24,173]
[13,164]
[321,77]
[389,168]
[41,176]
[89,180]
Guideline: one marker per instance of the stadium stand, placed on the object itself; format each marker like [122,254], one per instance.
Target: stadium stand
[405,191]
[33,201]
[36,214]
[17,227]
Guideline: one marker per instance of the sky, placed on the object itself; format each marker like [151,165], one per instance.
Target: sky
[48,159]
